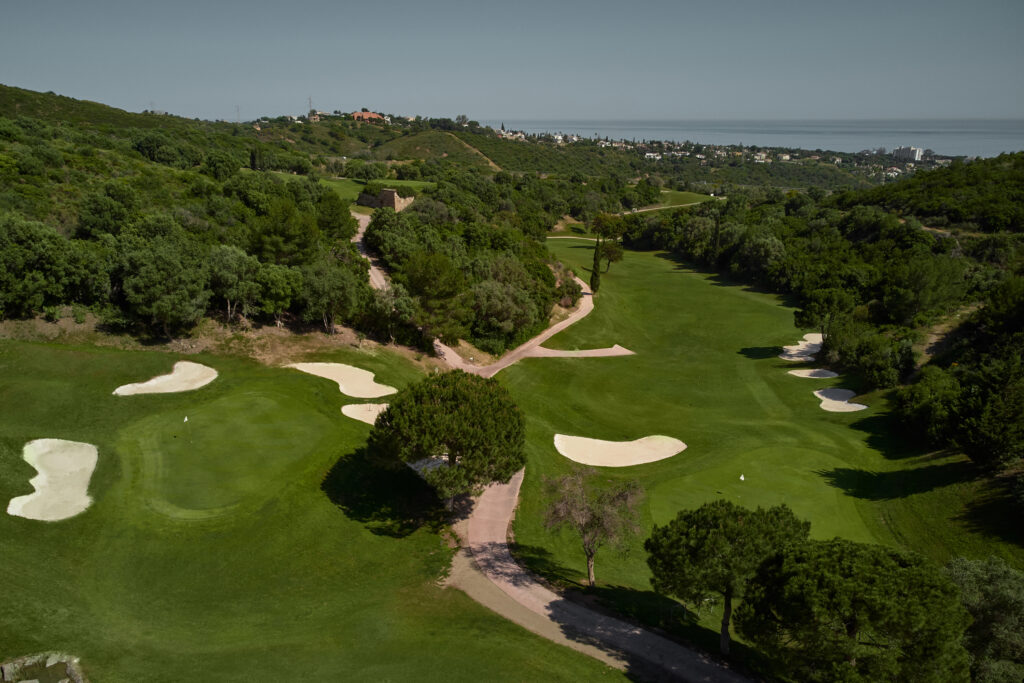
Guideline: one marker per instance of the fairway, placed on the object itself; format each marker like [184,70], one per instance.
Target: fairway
[252,543]
[707,372]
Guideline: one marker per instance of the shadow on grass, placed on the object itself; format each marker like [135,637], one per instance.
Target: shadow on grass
[886,436]
[760,352]
[390,501]
[900,484]
[720,279]
[994,513]
[606,617]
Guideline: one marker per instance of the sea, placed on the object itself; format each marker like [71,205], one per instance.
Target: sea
[949,137]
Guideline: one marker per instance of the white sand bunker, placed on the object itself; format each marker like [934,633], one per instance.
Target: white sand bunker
[364,412]
[602,453]
[62,483]
[801,353]
[814,374]
[185,376]
[352,381]
[838,400]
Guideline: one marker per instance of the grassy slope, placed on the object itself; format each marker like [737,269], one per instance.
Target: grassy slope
[211,550]
[706,372]
[431,144]
[349,188]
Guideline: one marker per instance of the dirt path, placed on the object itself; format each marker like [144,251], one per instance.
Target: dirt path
[473,149]
[660,208]
[616,642]
[531,348]
[378,280]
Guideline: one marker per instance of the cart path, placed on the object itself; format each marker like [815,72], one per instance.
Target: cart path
[378,280]
[532,348]
[611,640]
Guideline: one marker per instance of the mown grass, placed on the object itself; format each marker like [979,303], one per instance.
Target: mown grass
[254,542]
[706,371]
[349,188]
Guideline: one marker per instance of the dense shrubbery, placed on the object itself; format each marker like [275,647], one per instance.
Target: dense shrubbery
[987,195]
[863,278]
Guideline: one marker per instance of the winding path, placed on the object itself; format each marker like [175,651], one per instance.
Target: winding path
[378,280]
[616,642]
[532,348]
[486,571]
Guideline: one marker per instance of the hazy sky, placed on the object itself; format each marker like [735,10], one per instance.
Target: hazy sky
[649,59]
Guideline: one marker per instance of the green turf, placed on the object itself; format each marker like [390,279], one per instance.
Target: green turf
[349,188]
[670,198]
[252,543]
[706,371]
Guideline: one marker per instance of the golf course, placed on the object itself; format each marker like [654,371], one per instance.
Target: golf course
[250,542]
[237,531]
[707,371]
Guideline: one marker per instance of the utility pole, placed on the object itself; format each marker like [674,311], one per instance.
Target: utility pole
[310,104]
[238,117]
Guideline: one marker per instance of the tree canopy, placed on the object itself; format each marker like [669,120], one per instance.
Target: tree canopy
[599,514]
[843,611]
[715,549]
[467,425]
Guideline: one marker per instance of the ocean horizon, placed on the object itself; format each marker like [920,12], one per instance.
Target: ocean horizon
[950,137]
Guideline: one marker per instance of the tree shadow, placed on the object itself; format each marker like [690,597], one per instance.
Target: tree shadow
[760,352]
[993,513]
[885,436]
[720,279]
[390,501]
[539,561]
[900,484]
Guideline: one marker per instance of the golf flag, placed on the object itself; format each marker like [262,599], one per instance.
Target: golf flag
[186,418]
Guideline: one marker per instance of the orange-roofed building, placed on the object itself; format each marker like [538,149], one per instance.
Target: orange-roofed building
[366,116]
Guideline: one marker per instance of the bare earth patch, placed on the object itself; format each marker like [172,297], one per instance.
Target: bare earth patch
[802,352]
[602,453]
[352,381]
[838,401]
[364,412]
[62,484]
[815,373]
[185,376]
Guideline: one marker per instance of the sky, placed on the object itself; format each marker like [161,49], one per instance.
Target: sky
[528,59]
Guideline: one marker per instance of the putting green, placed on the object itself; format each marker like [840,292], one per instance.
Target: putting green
[230,451]
[253,543]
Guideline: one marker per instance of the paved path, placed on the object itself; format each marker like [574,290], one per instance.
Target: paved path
[531,348]
[614,641]
[378,280]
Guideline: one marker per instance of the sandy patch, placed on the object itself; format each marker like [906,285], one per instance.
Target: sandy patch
[602,453]
[838,400]
[815,373]
[62,483]
[185,376]
[541,352]
[364,412]
[352,381]
[801,353]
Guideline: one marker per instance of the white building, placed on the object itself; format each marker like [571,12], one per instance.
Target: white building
[907,153]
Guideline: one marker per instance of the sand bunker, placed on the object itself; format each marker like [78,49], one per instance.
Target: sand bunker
[814,374]
[617,453]
[838,400]
[541,352]
[801,353]
[185,376]
[352,381]
[62,483]
[364,412]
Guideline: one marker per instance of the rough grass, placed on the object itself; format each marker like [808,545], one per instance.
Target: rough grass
[706,372]
[255,542]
